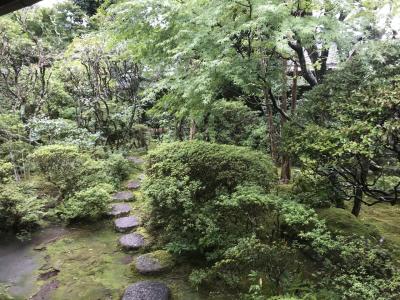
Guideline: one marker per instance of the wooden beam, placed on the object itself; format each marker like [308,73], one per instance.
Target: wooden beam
[7,6]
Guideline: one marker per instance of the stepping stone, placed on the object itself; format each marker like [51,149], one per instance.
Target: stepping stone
[120,209]
[135,159]
[133,185]
[126,223]
[141,177]
[153,263]
[123,196]
[147,290]
[132,241]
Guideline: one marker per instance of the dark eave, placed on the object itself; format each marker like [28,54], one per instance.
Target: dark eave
[7,6]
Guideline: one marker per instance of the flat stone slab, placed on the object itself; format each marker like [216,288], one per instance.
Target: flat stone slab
[132,241]
[133,185]
[120,209]
[153,263]
[123,196]
[135,159]
[126,223]
[147,290]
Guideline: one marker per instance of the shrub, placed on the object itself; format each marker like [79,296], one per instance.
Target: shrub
[88,204]
[6,171]
[61,131]
[19,208]
[118,167]
[61,165]
[189,184]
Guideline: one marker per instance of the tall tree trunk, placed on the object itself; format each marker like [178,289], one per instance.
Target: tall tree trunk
[193,128]
[361,178]
[285,163]
[271,126]
[294,90]
[358,195]
[268,113]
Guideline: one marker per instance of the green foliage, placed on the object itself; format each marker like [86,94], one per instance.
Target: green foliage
[230,122]
[313,190]
[89,204]
[61,131]
[6,171]
[61,165]
[19,208]
[350,130]
[188,185]
[118,168]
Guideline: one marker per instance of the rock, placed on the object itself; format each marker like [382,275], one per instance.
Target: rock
[123,196]
[120,209]
[141,177]
[51,272]
[133,185]
[126,223]
[135,159]
[132,241]
[153,263]
[147,290]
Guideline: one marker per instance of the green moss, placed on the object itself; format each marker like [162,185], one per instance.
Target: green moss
[386,218]
[146,235]
[165,258]
[343,221]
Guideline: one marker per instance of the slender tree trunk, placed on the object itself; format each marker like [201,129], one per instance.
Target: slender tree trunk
[358,195]
[193,128]
[271,126]
[268,113]
[285,163]
[294,90]
[361,177]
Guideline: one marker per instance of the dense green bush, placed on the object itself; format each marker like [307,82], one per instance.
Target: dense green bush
[350,267]
[61,131]
[215,200]
[84,184]
[189,184]
[19,208]
[118,168]
[315,191]
[231,122]
[88,204]
[6,171]
[61,165]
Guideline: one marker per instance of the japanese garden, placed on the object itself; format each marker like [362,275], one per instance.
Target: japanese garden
[200,149]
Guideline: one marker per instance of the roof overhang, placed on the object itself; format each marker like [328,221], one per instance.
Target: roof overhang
[7,6]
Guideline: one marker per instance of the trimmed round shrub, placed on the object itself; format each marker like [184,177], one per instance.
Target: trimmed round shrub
[188,184]
[89,204]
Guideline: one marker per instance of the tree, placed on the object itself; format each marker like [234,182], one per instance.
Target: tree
[105,87]
[350,127]
[234,50]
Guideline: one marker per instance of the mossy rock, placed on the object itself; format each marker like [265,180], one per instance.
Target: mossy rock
[341,220]
[153,263]
[147,290]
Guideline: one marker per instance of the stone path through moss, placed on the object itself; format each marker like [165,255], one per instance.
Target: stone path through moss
[151,263]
